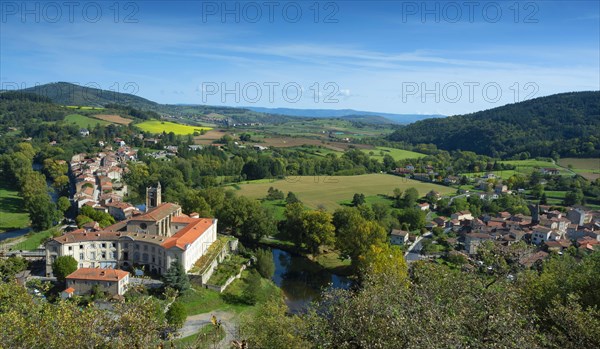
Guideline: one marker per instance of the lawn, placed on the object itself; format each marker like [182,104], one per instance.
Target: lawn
[157,126]
[12,213]
[277,207]
[34,240]
[397,154]
[84,121]
[199,300]
[329,191]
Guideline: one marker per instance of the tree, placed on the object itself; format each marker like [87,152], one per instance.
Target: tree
[358,199]
[63,204]
[176,314]
[411,195]
[9,267]
[42,212]
[292,225]
[415,218]
[63,266]
[574,197]
[355,234]
[318,230]
[176,277]
[275,194]
[264,263]
[291,198]
[384,258]
[272,327]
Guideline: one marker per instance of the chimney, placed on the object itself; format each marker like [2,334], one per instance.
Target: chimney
[194,215]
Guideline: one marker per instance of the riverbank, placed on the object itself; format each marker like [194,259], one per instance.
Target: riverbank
[329,259]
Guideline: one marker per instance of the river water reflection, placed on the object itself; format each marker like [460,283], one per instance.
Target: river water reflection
[302,279]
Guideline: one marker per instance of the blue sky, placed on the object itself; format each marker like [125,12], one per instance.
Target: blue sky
[388,56]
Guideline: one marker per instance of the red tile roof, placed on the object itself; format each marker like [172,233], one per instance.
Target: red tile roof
[189,234]
[158,213]
[97,274]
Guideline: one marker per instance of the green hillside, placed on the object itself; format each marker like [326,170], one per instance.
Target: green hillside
[567,124]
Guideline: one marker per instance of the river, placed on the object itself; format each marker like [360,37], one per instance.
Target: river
[302,279]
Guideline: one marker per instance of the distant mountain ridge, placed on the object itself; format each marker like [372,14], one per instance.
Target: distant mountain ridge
[65,93]
[567,124]
[345,114]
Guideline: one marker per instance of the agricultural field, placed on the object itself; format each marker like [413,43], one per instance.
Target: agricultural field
[84,121]
[210,136]
[83,107]
[504,174]
[527,166]
[588,168]
[12,213]
[157,126]
[398,154]
[328,191]
[115,119]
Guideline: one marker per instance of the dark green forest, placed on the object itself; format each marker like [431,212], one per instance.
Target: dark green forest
[566,124]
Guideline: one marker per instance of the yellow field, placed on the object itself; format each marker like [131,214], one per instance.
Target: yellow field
[157,126]
[327,191]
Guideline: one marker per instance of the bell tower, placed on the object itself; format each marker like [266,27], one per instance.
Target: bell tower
[153,197]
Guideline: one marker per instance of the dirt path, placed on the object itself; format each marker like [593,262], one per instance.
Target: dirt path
[195,322]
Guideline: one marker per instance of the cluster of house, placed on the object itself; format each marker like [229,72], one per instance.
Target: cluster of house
[98,180]
[551,230]
[148,241]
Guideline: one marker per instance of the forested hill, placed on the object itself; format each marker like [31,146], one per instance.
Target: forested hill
[65,93]
[566,123]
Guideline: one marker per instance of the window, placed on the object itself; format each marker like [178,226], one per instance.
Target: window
[93,245]
[81,247]
[103,255]
[92,256]
[153,249]
[114,255]
[127,245]
[70,248]
[143,225]
[114,244]
[81,256]
[103,245]
[145,247]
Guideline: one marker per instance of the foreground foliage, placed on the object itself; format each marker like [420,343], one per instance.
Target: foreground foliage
[29,322]
[439,307]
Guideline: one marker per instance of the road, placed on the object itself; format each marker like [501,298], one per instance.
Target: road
[195,322]
[414,251]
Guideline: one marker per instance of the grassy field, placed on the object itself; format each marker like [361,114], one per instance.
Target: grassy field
[588,168]
[315,191]
[397,154]
[200,300]
[527,166]
[12,213]
[84,121]
[34,240]
[504,174]
[157,126]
